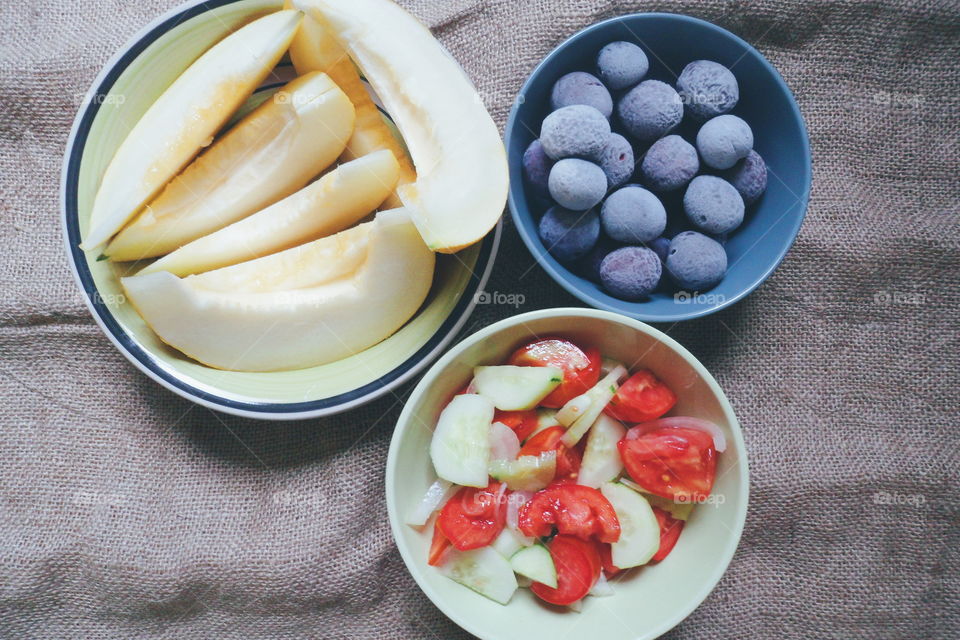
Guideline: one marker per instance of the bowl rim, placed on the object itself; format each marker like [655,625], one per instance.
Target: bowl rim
[203,394]
[403,424]
[561,277]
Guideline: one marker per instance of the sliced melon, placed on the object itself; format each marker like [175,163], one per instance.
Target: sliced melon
[314,48]
[461,165]
[185,118]
[460,447]
[272,152]
[296,328]
[334,202]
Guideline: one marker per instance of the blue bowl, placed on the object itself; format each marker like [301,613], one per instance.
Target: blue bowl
[671,41]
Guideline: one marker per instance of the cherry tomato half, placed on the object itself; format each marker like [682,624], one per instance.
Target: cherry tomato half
[672,462]
[581,369]
[523,423]
[438,547]
[670,529]
[473,518]
[641,398]
[574,510]
[568,460]
[578,568]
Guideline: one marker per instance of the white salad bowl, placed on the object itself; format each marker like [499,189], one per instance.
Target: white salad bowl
[648,601]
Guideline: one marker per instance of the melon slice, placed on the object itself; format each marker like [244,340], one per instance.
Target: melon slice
[272,152]
[250,329]
[315,49]
[185,118]
[461,165]
[332,203]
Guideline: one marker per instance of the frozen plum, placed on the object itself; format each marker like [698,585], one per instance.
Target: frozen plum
[708,89]
[696,262]
[650,110]
[536,168]
[569,235]
[660,247]
[631,273]
[633,215]
[580,87]
[713,205]
[622,65]
[669,164]
[577,184]
[590,265]
[576,131]
[748,177]
[616,160]
[724,140]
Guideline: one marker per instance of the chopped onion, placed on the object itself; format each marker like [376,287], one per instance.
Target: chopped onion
[438,493]
[574,408]
[607,365]
[523,581]
[514,501]
[504,444]
[602,588]
[471,388]
[576,605]
[682,422]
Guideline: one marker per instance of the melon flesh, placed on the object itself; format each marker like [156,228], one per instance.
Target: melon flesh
[268,330]
[314,48]
[269,154]
[185,118]
[332,203]
[461,166]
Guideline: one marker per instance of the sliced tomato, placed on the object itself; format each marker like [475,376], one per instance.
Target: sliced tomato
[473,518]
[438,547]
[568,460]
[581,368]
[574,510]
[523,423]
[606,558]
[670,529]
[672,462]
[578,567]
[642,398]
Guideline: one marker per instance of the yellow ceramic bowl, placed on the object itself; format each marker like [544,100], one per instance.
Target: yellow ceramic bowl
[122,92]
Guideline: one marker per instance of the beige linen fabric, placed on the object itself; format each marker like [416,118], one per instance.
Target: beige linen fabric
[128,512]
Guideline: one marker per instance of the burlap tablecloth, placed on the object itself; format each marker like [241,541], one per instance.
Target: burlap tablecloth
[128,512]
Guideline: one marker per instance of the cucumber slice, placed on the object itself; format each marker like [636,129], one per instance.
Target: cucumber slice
[679,510]
[516,388]
[639,530]
[483,570]
[601,459]
[535,563]
[509,542]
[600,394]
[526,473]
[460,448]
